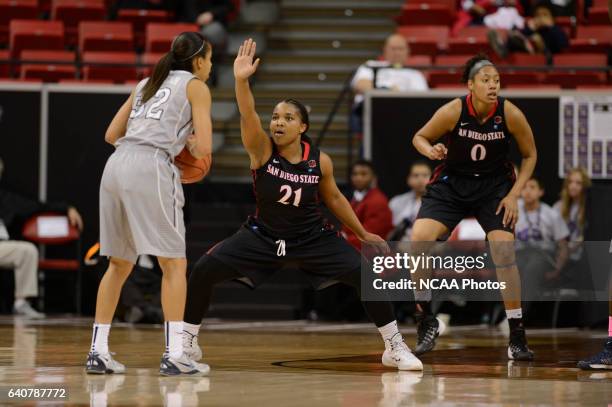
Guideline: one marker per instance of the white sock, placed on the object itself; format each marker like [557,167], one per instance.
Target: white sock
[194,330]
[174,338]
[514,313]
[19,302]
[390,332]
[99,339]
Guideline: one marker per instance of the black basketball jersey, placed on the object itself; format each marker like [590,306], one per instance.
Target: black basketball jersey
[475,148]
[287,194]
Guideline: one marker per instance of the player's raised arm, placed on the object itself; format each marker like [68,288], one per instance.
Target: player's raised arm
[254,138]
[199,97]
[118,126]
[442,122]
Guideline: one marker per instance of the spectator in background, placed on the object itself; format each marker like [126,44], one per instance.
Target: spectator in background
[23,256]
[369,203]
[504,14]
[542,237]
[211,15]
[387,74]
[405,207]
[540,35]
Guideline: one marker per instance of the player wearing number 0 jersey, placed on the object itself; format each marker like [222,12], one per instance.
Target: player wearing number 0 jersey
[476,179]
[291,177]
[141,198]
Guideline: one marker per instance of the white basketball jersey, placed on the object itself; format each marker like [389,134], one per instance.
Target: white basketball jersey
[164,121]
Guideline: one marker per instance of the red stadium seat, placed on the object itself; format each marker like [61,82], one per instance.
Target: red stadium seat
[85,81]
[582,60]
[35,34]
[71,12]
[592,39]
[113,66]
[105,36]
[15,9]
[603,87]
[475,31]
[438,79]
[140,18]
[569,80]
[523,59]
[452,60]
[159,37]
[521,78]
[429,40]
[426,14]
[149,59]
[51,71]
[599,15]
[5,66]
[468,45]
[531,86]
[418,60]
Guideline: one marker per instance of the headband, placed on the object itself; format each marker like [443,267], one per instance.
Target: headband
[190,56]
[478,66]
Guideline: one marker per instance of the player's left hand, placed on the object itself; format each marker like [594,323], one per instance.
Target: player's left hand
[380,243]
[510,207]
[74,217]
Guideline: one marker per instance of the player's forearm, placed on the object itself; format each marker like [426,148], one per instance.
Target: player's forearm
[245,99]
[527,167]
[421,144]
[341,208]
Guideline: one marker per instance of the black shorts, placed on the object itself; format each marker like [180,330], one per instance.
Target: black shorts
[451,197]
[322,254]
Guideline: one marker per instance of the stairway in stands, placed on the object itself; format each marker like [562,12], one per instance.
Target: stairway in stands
[308,54]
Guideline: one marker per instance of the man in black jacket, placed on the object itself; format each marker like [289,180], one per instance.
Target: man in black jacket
[20,255]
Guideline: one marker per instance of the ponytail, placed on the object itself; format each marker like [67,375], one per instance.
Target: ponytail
[160,73]
[185,47]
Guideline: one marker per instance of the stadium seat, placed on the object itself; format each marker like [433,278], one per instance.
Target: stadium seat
[444,78]
[418,60]
[116,66]
[452,60]
[524,59]
[468,45]
[50,71]
[105,36]
[5,66]
[71,12]
[592,39]
[521,78]
[599,15]
[475,31]
[35,34]
[582,60]
[531,86]
[159,37]
[426,14]
[85,81]
[569,80]
[149,59]
[425,39]
[15,9]
[139,20]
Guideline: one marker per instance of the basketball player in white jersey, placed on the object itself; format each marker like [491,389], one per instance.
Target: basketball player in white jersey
[141,198]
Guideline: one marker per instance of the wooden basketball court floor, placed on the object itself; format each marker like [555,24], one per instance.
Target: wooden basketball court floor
[299,363]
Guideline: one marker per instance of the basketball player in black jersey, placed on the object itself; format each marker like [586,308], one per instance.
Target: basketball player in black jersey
[290,176]
[476,179]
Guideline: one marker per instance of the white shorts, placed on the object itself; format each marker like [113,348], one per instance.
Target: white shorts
[141,205]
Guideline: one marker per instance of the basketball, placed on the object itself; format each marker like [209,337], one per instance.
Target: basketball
[192,169]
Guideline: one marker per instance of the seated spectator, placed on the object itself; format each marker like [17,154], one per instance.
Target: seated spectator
[369,203]
[405,207]
[540,36]
[541,236]
[210,15]
[503,14]
[23,256]
[387,74]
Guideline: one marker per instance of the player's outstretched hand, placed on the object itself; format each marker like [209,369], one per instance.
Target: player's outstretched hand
[380,243]
[437,152]
[510,207]
[245,63]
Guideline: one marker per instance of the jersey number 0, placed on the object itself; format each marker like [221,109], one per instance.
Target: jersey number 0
[478,153]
